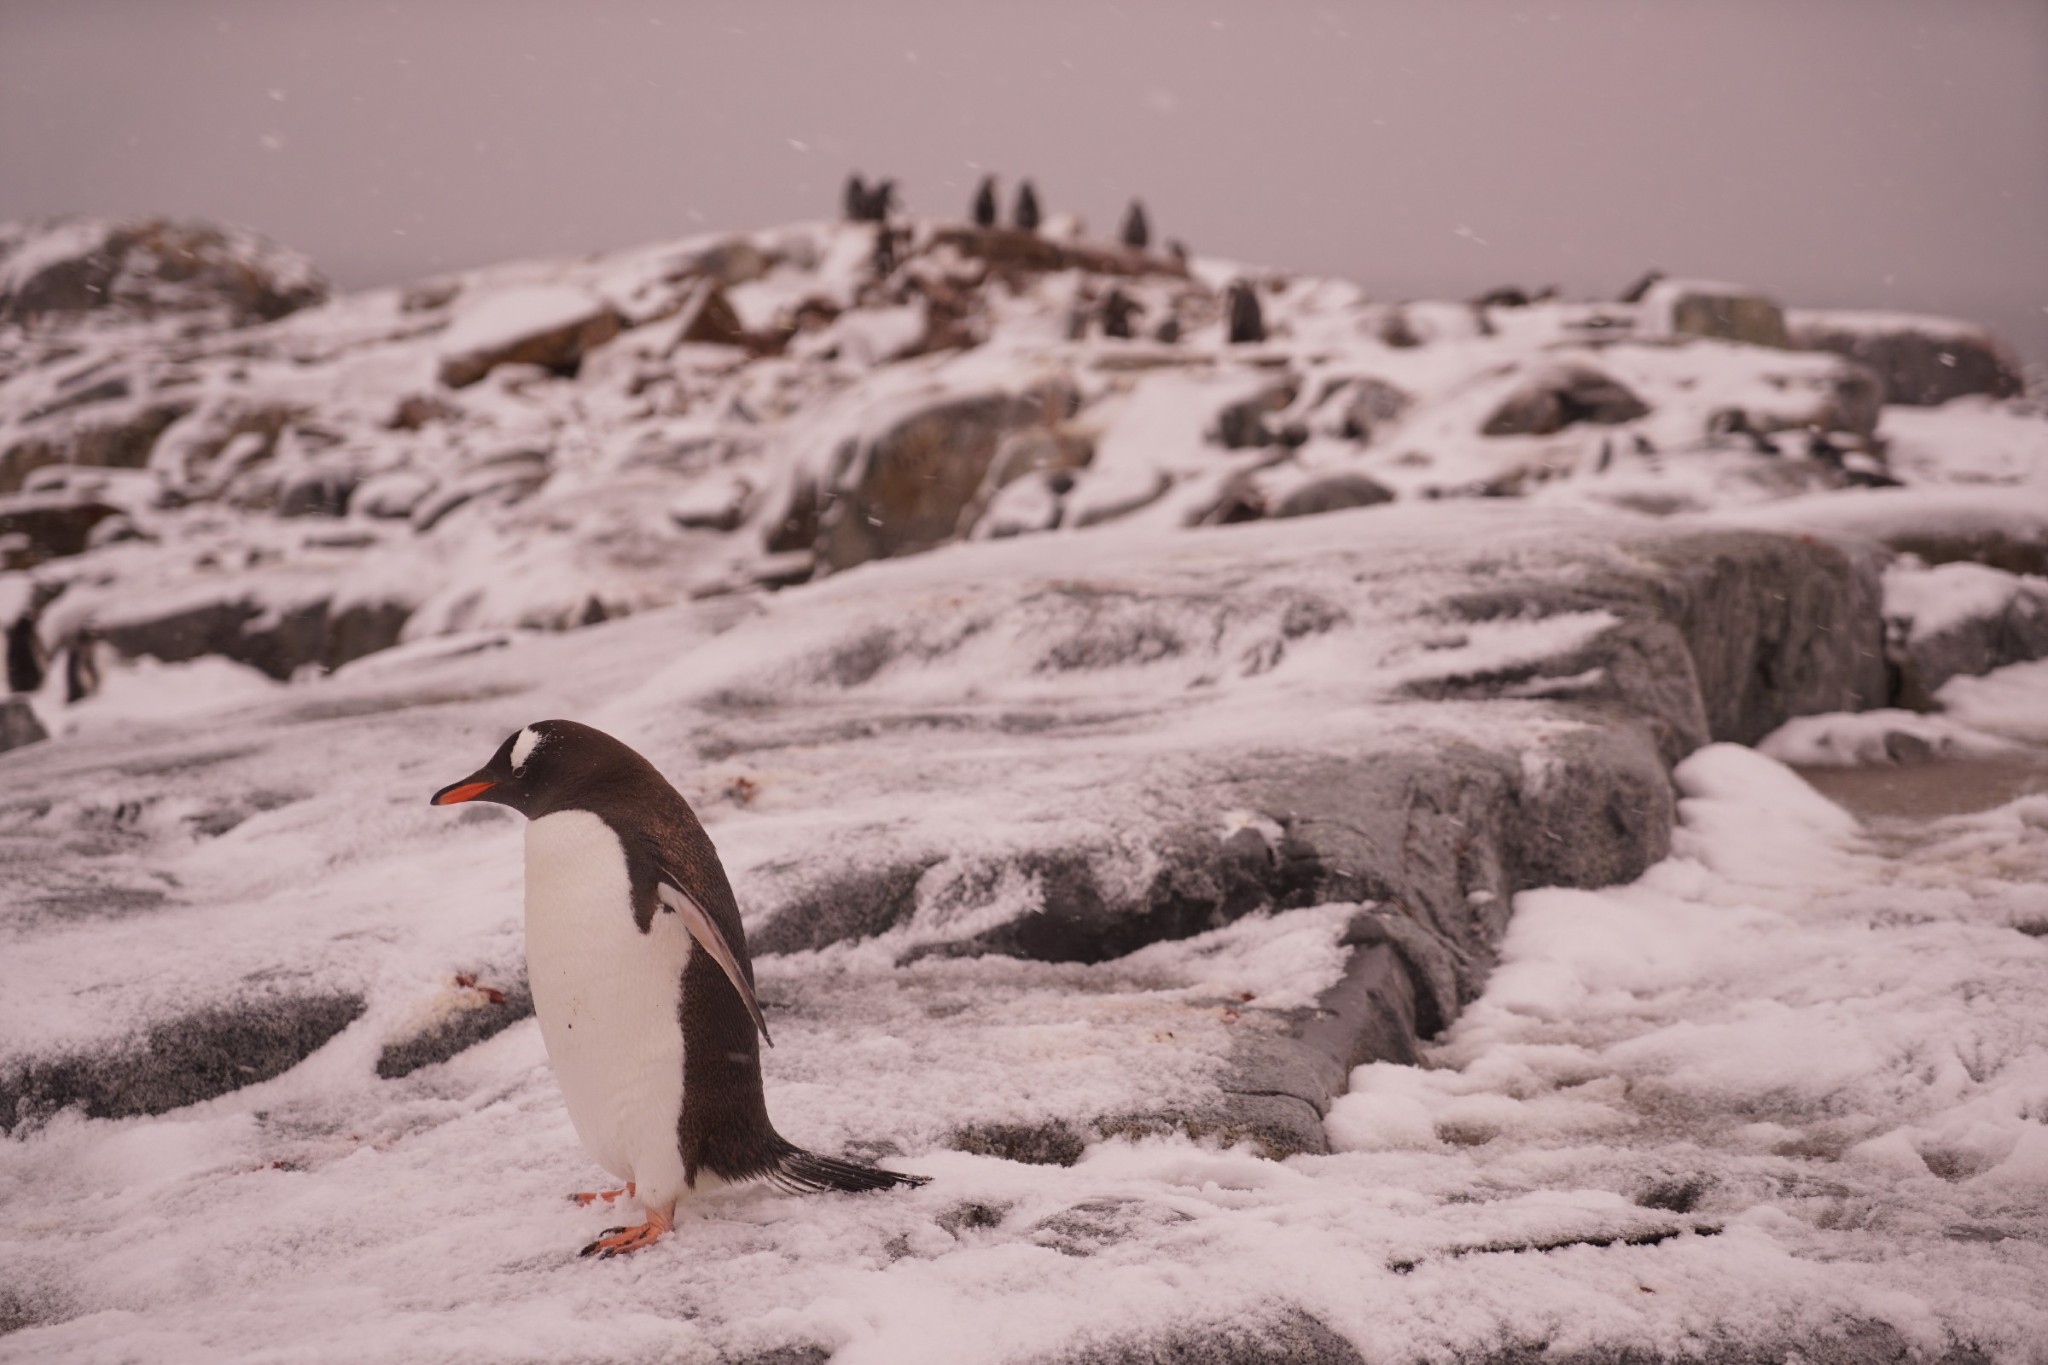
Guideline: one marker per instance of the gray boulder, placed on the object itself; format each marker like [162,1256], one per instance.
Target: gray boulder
[19,725]
[1561,397]
[148,268]
[1333,493]
[1708,309]
[277,641]
[94,439]
[1922,361]
[52,527]
[549,327]
[906,488]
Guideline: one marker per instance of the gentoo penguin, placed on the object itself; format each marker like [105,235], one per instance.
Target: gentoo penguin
[640,975]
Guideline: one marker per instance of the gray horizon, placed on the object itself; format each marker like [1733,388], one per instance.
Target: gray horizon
[1834,153]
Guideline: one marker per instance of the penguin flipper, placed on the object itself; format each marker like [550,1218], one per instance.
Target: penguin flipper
[709,937]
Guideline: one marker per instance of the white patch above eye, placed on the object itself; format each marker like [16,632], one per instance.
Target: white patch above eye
[529,740]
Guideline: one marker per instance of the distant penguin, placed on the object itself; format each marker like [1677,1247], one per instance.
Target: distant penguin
[1119,312]
[853,201]
[881,199]
[985,203]
[1247,322]
[82,665]
[1025,215]
[27,664]
[1137,231]
[641,980]
[1639,290]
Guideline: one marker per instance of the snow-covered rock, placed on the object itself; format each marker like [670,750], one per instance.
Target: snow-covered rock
[1924,361]
[1100,835]
[56,270]
[794,362]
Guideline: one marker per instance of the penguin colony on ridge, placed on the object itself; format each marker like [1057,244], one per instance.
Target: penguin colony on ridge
[641,980]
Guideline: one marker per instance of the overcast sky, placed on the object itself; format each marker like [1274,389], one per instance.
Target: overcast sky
[1883,153]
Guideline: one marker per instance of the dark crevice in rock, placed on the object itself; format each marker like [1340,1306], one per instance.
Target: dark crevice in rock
[179,1062]
[861,904]
[278,643]
[493,1013]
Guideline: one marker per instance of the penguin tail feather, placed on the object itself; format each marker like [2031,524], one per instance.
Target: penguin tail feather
[799,1171]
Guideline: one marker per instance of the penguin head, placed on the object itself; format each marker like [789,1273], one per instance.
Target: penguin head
[544,767]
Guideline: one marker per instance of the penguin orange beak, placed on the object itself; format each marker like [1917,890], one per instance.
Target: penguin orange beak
[466,790]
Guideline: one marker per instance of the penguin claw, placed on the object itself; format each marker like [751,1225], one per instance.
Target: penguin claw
[621,1240]
[585,1198]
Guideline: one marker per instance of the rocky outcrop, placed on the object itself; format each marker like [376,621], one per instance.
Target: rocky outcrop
[148,268]
[1922,361]
[19,724]
[1961,620]
[1284,1335]
[1707,309]
[1371,404]
[180,1061]
[1557,399]
[476,1011]
[904,489]
[1020,249]
[1332,493]
[91,439]
[50,528]
[1724,635]
[1245,424]
[279,642]
[551,326]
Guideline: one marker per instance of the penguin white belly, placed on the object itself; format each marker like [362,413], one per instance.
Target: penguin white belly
[609,1000]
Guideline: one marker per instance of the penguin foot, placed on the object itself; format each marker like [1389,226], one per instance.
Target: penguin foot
[585,1198]
[619,1241]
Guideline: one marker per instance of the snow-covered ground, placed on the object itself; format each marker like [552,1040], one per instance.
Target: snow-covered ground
[1784,1092]
[1789,1087]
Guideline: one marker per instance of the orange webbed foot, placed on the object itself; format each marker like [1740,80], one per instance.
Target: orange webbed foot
[585,1198]
[620,1241]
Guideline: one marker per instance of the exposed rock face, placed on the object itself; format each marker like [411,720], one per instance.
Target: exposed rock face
[1015,248]
[1556,400]
[1922,361]
[1706,309]
[1243,425]
[277,642]
[51,527]
[1777,627]
[1372,403]
[181,1061]
[1962,619]
[1287,1337]
[93,440]
[486,1012]
[149,268]
[549,326]
[1333,493]
[1767,627]
[904,489]
[19,724]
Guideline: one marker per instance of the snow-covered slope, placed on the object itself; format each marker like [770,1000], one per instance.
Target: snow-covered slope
[1127,752]
[548,443]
